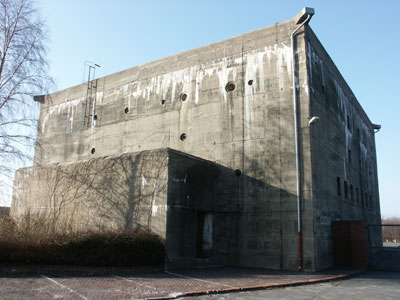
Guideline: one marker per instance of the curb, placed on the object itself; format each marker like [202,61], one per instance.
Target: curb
[257,287]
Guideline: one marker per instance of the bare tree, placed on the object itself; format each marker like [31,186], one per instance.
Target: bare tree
[23,68]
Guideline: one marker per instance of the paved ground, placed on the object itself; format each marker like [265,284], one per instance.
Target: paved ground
[27,282]
[47,283]
[373,285]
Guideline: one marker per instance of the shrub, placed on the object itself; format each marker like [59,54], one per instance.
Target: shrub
[31,243]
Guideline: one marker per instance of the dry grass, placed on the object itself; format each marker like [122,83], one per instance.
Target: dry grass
[32,240]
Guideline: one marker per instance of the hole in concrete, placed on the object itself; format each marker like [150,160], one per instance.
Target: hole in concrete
[183,136]
[163,101]
[183,97]
[238,172]
[250,82]
[230,86]
[126,110]
[93,150]
[95,117]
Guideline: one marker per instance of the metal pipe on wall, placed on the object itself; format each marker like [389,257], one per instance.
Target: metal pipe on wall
[299,237]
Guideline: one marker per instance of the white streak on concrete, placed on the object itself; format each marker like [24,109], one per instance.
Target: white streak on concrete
[181,180]
[199,79]
[154,207]
[65,287]
[144,181]
[69,105]
[225,74]
[134,281]
[190,80]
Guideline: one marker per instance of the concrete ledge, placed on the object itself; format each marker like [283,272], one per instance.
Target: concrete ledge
[258,287]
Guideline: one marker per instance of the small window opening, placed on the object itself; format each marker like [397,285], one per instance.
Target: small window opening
[93,150]
[183,97]
[163,101]
[357,196]
[362,198]
[95,117]
[323,89]
[126,110]
[250,82]
[183,136]
[338,187]
[230,86]
[348,122]
[351,193]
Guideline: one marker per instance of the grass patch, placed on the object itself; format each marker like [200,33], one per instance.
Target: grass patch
[34,243]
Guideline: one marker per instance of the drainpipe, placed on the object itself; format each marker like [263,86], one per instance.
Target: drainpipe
[304,17]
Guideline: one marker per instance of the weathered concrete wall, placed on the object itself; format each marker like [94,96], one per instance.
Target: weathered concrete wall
[248,128]
[196,189]
[345,183]
[122,192]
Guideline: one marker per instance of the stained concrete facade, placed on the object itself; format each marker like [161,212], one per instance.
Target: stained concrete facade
[231,104]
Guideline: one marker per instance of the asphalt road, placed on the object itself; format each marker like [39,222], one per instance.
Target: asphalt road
[372,285]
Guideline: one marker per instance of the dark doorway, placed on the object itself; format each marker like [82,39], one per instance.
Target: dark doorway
[204,238]
[349,244]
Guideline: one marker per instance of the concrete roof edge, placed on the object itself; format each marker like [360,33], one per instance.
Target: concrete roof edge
[160,60]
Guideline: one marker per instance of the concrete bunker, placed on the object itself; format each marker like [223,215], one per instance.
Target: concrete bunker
[214,172]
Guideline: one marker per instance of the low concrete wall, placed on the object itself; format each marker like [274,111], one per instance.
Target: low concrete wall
[128,191]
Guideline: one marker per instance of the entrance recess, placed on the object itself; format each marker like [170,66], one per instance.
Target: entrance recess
[204,240]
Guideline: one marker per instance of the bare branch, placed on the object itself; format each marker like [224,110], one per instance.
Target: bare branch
[23,74]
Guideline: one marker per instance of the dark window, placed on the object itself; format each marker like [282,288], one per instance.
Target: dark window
[348,122]
[362,198]
[351,193]
[183,97]
[230,86]
[338,187]
[357,196]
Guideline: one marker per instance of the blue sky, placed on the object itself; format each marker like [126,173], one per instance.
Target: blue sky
[361,36]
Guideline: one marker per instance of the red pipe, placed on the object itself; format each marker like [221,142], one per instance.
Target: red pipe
[299,250]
